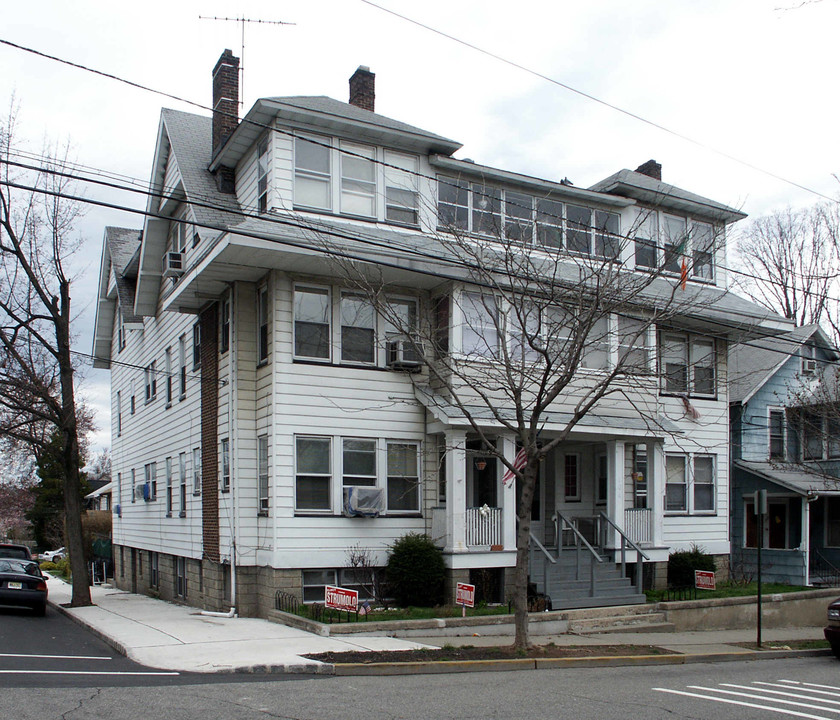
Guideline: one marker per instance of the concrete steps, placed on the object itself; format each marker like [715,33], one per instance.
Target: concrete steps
[611,587]
[622,623]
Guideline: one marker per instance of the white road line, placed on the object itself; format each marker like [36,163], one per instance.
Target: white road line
[786,694]
[727,701]
[766,699]
[813,685]
[80,672]
[801,686]
[55,657]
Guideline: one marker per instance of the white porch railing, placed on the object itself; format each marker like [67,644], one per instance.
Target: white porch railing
[484,526]
[638,524]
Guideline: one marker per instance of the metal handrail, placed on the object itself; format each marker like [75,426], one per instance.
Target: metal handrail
[820,565]
[542,547]
[547,554]
[558,529]
[621,532]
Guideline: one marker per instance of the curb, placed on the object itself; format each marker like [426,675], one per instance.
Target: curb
[107,639]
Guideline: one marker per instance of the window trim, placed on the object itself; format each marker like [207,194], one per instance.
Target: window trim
[262,325]
[182,485]
[263,172]
[169,487]
[782,438]
[418,478]
[263,475]
[329,475]
[687,340]
[690,484]
[197,471]
[320,290]
[576,495]
[224,465]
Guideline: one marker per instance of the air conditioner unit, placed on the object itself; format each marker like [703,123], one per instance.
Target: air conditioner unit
[403,353]
[362,501]
[173,264]
[140,492]
[809,367]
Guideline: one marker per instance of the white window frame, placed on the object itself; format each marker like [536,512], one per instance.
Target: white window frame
[316,176]
[182,485]
[167,370]
[328,476]
[480,324]
[119,413]
[575,496]
[263,172]
[150,473]
[354,189]
[324,290]
[224,465]
[196,471]
[262,325]
[771,436]
[262,475]
[690,342]
[684,508]
[602,479]
[182,367]
[416,478]
[695,484]
[151,381]
[401,173]
[169,487]
[364,480]
[350,296]
[691,484]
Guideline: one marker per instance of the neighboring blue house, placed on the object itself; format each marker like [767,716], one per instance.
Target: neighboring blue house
[786,441]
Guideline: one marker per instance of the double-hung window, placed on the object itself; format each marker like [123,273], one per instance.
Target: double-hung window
[224,326]
[196,352]
[312,173]
[519,224]
[403,483]
[225,453]
[262,325]
[119,413]
[487,210]
[645,240]
[402,199]
[607,239]
[358,180]
[182,367]
[453,204]
[703,251]
[313,473]
[182,484]
[675,242]
[687,364]
[633,345]
[196,471]
[524,328]
[358,462]
[358,329]
[571,477]
[776,425]
[812,425]
[262,173]
[578,229]
[150,472]
[480,326]
[151,381]
[262,473]
[167,369]
[596,349]
[550,223]
[169,487]
[690,483]
[312,323]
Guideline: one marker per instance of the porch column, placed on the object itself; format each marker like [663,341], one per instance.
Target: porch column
[456,490]
[615,489]
[656,488]
[805,537]
[507,445]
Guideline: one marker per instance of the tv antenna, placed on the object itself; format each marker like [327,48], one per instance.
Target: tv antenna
[243,21]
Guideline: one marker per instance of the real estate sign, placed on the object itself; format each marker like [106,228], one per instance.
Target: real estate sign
[339,598]
[704,580]
[465,595]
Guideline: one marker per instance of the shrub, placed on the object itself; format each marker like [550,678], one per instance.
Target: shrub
[683,563]
[416,572]
[60,568]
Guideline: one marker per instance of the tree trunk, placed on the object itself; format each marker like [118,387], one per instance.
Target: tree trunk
[72,461]
[523,542]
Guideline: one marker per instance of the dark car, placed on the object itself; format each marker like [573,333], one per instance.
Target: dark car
[23,585]
[832,630]
[20,552]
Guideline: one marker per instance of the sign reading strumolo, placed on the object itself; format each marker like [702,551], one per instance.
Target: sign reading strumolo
[704,580]
[339,598]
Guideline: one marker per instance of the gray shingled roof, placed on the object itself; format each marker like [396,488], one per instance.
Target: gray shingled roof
[793,477]
[191,139]
[122,245]
[750,366]
[652,191]
[346,111]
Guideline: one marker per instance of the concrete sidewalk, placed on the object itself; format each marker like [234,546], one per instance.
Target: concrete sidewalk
[164,635]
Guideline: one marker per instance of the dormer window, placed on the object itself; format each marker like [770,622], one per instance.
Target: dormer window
[262,174]
[312,173]
[809,359]
[687,246]
[358,180]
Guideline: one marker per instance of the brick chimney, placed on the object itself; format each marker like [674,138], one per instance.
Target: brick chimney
[362,88]
[225,99]
[651,168]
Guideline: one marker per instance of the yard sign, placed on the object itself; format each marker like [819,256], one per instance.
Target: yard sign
[465,595]
[339,598]
[704,580]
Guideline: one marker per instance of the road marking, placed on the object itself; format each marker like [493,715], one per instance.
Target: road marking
[762,697]
[727,701]
[813,685]
[81,672]
[56,657]
[801,687]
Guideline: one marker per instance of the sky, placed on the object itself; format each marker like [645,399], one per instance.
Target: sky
[736,100]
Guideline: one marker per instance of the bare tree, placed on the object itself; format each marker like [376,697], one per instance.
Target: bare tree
[37,396]
[533,323]
[791,264]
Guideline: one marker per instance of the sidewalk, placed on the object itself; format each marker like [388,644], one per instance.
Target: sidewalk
[163,635]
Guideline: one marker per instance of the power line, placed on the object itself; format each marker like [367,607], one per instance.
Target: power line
[593,98]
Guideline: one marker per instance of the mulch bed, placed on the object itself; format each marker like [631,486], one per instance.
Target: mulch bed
[486,653]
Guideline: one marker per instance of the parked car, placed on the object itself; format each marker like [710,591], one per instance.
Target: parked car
[53,555]
[832,630]
[9,550]
[22,584]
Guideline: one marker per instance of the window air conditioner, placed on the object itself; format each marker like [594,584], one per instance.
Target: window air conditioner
[173,264]
[809,366]
[403,353]
[362,501]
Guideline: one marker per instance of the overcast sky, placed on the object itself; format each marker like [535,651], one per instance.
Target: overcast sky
[750,79]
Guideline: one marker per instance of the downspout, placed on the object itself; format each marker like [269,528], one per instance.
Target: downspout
[235,444]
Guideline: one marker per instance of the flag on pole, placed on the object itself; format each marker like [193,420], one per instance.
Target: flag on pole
[518,463]
[683,273]
[365,609]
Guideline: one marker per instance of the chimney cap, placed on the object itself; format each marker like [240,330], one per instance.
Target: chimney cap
[651,168]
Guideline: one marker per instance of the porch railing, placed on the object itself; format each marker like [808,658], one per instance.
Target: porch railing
[581,546]
[605,524]
[483,526]
[823,572]
[638,524]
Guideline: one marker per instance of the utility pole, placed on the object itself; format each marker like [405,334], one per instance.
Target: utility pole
[243,21]
[761,512]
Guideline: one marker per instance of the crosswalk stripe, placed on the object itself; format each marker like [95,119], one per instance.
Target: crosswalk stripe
[767,699]
[81,672]
[55,657]
[798,686]
[813,685]
[728,701]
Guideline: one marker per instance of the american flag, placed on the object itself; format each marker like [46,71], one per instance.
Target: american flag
[365,609]
[518,463]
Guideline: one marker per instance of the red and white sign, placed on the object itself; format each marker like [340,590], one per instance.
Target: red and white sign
[341,599]
[465,595]
[704,580]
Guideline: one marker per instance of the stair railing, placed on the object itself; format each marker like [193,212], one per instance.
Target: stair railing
[625,541]
[548,557]
[561,522]
[822,568]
